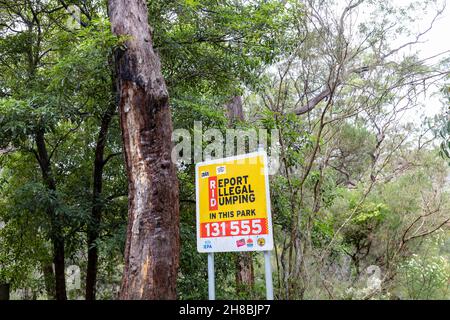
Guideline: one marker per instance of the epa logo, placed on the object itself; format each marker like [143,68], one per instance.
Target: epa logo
[207,245]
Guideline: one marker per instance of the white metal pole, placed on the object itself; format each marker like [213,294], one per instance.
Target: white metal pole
[268,269]
[211,272]
[211,277]
[267,263]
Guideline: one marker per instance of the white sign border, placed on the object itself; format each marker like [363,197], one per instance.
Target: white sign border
[268,204]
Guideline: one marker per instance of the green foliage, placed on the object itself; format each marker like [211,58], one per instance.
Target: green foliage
[21,241]
[426,278]
[296,138]
[361,220]
[342,199]
[353,146]
[369,213]
[426,275]
[323,230]
[80,80]
[209,47]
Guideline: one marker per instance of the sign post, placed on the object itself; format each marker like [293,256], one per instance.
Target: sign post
[268,271]
[211,277]
[233,210]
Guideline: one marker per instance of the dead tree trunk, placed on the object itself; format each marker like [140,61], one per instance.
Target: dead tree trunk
[245,277]
[152,244]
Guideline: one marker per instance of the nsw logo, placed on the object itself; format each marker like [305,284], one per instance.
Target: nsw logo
[205,174]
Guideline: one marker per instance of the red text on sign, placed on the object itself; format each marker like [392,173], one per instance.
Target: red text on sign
[212,185]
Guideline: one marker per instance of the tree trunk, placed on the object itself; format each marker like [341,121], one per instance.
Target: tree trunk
[60,270]
[235,112]
[49,279]
[93,230]
[4,291]
[245,277]
[56,232]
[152,244]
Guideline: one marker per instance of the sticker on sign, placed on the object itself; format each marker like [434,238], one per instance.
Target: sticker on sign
[233,204]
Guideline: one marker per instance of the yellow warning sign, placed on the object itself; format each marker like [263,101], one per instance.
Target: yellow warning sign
[233,204]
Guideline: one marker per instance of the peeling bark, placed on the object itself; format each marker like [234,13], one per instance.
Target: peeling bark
[152,244]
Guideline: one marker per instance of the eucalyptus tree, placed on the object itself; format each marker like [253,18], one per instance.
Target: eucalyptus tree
[345,69]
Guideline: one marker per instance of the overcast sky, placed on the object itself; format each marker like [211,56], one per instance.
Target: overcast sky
[436,41]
